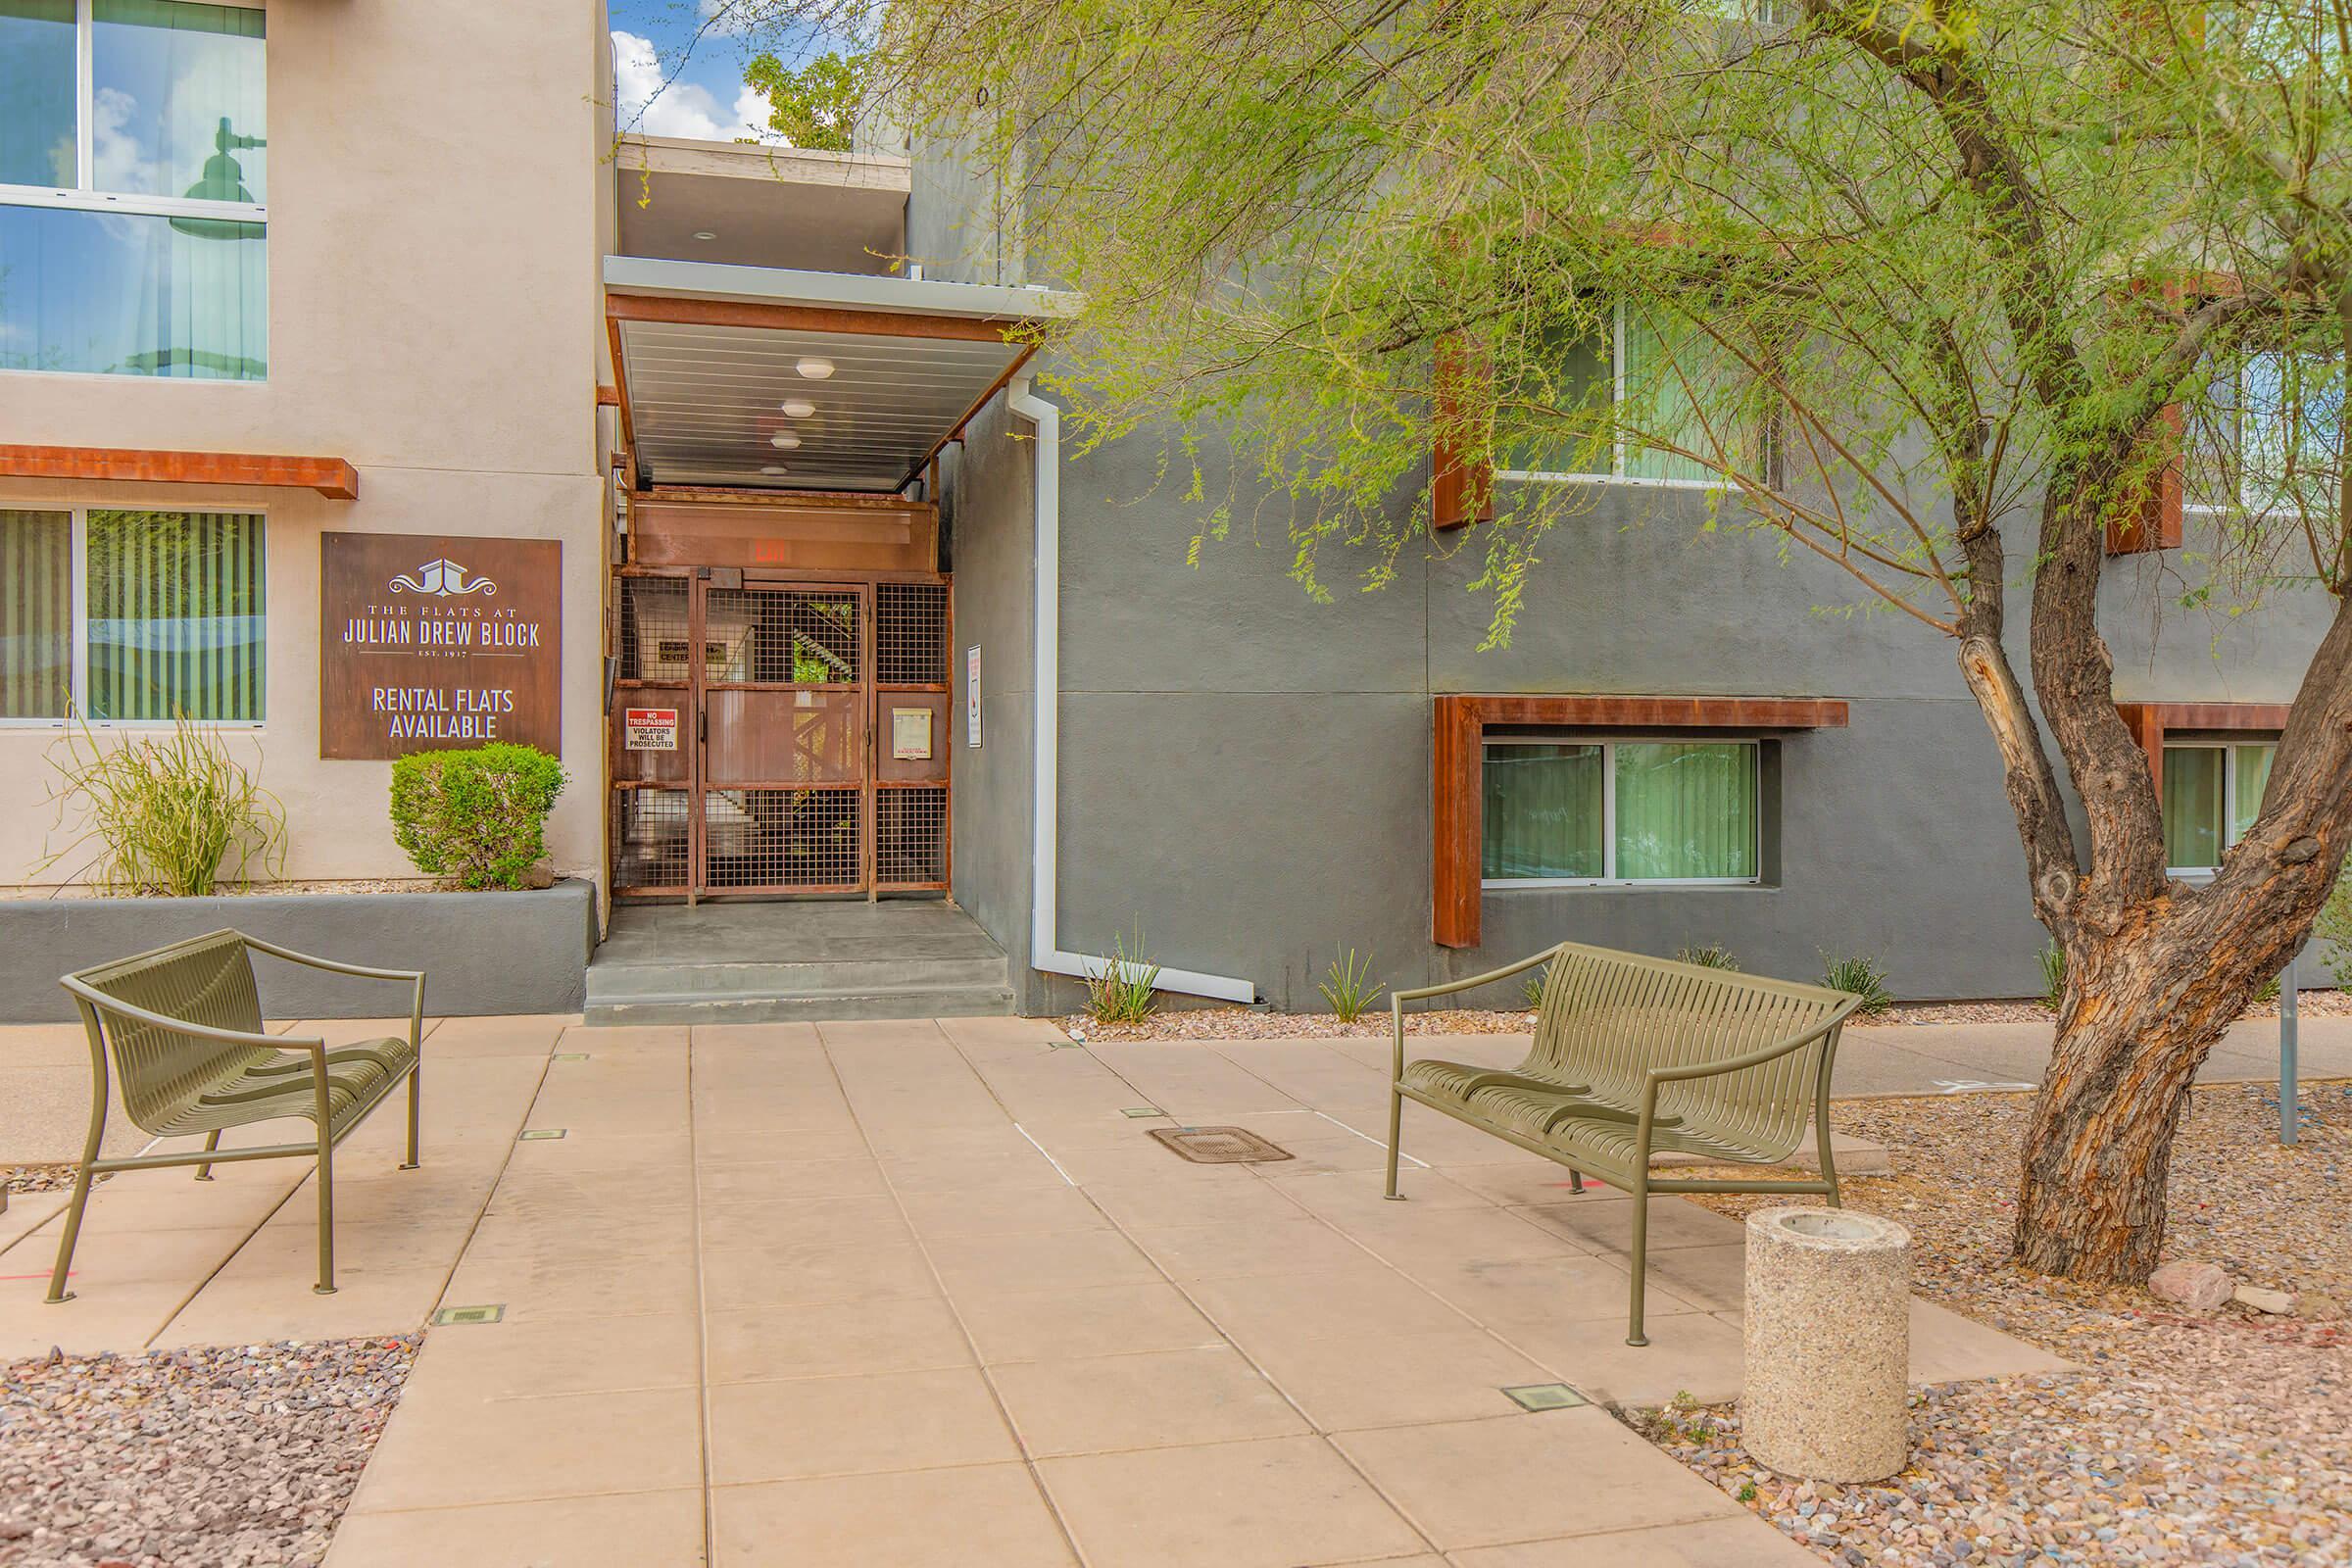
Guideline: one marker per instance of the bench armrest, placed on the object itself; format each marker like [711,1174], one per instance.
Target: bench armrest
[337,966]
[1397,999]
[202,1031]
[1416,993]
[1655,1078]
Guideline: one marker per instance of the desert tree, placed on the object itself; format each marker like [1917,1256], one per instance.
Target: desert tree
[1933,292]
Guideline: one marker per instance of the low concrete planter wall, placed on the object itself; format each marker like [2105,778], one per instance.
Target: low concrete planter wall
[482,952]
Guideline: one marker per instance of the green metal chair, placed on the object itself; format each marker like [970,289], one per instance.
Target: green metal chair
[1634,1056]
[183,1026]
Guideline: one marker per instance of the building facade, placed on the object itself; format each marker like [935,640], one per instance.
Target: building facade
[727,476]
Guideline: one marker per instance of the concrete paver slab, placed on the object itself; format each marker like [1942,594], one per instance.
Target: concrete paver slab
[1454,1375]
[832,1339]
[1706,1543]
[846,1425]
[1104,1320]
[623,1530]
[1273,1503]
[1161,1399]
[981,1516]
[1491,1482]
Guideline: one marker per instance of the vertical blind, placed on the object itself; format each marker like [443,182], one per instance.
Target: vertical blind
[1686,811]
[36,613]
[175,616]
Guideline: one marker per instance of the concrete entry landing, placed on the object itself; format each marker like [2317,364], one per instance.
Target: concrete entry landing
[796,962]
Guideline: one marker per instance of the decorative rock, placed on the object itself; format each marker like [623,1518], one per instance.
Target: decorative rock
[2199,1287]
[2263,1301]
[1828,1330]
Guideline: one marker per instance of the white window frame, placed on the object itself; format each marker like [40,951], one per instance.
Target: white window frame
[1616,473]
[2194,873]
[78,697]
[1608,812]
[81,197]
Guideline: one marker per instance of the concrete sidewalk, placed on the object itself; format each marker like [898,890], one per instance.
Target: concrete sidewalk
[906,1293]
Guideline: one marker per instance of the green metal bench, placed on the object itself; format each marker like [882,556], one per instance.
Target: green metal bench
[183,1025]
[1636,1056]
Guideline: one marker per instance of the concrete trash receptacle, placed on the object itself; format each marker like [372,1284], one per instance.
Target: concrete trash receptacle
[1828,1328]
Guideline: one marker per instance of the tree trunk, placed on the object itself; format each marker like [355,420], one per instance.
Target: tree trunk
[2142,1009]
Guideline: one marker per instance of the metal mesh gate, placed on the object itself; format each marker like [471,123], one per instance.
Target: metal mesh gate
[798,736]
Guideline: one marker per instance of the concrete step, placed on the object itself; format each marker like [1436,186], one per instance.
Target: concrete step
[622,981]
[807,1007]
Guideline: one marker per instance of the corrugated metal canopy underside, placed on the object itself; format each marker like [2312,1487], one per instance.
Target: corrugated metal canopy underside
[706,403]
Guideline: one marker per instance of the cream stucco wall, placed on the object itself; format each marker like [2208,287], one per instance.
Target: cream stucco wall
[436,205]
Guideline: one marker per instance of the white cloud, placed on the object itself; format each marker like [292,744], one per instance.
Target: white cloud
[645,100]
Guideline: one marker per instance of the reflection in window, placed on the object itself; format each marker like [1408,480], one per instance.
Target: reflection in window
[1620,812]
[1610,401]
[176,100]
[126,293]
[36,93]
[145,256]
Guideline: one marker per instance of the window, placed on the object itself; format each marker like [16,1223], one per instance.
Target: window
[131,616]
[133,183]
[1661,378]
[2210,795]
[1573,812]
[2273,439]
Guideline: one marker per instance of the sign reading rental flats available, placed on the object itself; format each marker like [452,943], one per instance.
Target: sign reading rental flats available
[429,641]
[650,729]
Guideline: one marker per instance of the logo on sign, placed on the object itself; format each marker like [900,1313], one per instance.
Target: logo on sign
[443,580]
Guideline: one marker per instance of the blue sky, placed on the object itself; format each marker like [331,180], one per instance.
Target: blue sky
[679,69]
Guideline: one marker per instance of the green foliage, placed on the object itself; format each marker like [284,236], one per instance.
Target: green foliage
[1350,988]
[1532,988]
[1861,976]
[478,815]
[816,106]
[1127,991]
[1713,956]
[2053,976]
[165,814]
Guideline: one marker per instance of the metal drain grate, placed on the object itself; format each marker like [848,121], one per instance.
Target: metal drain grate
[1219,1146]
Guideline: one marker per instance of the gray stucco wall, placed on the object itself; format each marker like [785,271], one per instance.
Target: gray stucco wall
[1246,772]
[993,541]
[482,952]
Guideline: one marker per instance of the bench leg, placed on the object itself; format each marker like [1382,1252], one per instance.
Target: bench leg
[1396,1131]
[415,1089]
[327,1216]
[1576,1180]
[65,1244]
[1640,1191]
[212,1141]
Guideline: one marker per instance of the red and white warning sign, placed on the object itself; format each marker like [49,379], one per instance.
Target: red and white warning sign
[650,729]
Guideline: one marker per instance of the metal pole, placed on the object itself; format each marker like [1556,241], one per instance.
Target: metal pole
[2286,1054]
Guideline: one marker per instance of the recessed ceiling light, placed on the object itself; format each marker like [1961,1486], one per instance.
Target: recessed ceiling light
[798,408]
[783,440]
[704,234]
[774,468]
[816,369]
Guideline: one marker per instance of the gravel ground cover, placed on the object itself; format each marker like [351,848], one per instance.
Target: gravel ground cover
[2180,1439]
[235,1456]
[42,1178]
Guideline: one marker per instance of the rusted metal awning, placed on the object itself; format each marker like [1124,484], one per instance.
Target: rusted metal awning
[332,477]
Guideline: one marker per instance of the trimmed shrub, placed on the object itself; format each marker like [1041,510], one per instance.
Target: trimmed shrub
[478,815]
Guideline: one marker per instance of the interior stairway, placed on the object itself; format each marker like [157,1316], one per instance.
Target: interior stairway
[791,962]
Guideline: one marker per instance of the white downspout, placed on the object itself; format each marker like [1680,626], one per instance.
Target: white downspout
[1044,950]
